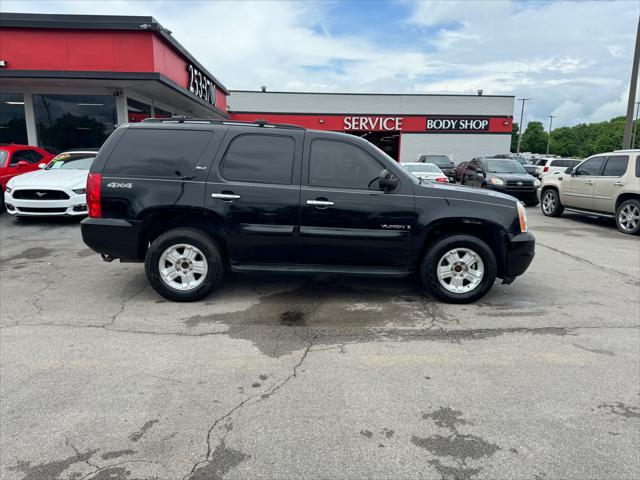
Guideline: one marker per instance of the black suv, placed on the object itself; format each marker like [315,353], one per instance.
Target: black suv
[195,199]
[502,175]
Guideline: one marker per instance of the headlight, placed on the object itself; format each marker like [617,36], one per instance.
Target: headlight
[9,189]
[80,191]
[522,217]
[536,183]
[496,181]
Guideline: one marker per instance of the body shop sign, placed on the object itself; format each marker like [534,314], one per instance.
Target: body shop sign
[457,124]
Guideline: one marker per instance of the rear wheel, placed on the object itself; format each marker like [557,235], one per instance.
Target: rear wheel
[184,265]
[628,217]
[459,269]
[551,206]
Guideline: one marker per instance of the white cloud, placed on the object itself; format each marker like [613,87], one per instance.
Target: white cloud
[572,58]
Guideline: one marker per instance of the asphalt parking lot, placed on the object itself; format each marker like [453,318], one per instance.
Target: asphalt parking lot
[297,377]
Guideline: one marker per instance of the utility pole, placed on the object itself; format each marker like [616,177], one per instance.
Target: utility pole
[635,126]
[626,142]
[549,137]
[521,125]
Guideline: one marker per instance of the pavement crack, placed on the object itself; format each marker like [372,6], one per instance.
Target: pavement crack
[258,397]
[123,305]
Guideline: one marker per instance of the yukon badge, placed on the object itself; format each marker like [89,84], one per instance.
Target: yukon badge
[119,185]
[395,227]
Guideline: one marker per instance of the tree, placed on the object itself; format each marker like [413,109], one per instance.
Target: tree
[514,137]
[534,138]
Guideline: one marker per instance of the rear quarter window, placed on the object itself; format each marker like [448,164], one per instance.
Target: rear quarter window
[157,152]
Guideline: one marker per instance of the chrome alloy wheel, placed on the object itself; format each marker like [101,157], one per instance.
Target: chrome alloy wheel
[460,270]
[182,267]
[549,202]
[629,217]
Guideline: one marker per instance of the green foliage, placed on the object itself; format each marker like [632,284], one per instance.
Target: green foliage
[534,138]
[579,141]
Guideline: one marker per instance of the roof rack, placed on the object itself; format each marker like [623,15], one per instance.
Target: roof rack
[256,123]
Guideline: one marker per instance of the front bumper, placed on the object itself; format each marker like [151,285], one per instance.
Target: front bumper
[75,205]
[113,237]
[520,194]
[519,255]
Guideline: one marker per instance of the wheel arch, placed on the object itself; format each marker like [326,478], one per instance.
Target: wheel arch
[623,197]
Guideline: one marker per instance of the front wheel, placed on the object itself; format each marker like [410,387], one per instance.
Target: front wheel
[628,217]
[551,206]
[184,265]
[459,269]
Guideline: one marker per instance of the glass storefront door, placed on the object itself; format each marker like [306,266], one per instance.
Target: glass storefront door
[74,121]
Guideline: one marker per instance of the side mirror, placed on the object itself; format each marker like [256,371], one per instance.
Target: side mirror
[387,181]
[23,163]
[568,170]
[42,165]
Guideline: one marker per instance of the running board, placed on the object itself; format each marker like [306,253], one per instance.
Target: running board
[345,270]
[589,212]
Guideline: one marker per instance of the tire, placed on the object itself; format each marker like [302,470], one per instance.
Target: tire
[550,205]
[531,203]
[628,217]
[2,208]
[191,248]
[434,258]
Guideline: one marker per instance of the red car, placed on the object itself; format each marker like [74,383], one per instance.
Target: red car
[19,159]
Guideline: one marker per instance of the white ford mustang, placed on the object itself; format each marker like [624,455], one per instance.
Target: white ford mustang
[56,189]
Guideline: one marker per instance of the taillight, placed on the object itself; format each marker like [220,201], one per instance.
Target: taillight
[93,195]
[545,169]
[442,180]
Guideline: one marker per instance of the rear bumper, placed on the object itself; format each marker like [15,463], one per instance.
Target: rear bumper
[519,255]
[113,237]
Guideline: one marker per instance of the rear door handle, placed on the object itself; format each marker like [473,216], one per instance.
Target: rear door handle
[225,196]
[320,203]
[619,184]
[589,182]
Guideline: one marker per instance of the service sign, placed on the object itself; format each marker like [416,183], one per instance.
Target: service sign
[201,85]
[452,124]
[373,124]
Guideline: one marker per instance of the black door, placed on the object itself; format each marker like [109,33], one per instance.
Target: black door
[345,218]
[254,186]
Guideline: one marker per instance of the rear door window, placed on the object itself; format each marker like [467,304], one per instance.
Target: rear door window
[157,152]
[616,166]
[337,164]
[591,167]
[21,156]
[258,158]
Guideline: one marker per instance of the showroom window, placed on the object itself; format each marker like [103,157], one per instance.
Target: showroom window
[161,113]
[74,121]
[137,111]
[13,127]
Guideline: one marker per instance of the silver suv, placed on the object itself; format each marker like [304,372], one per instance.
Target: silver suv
[607,184]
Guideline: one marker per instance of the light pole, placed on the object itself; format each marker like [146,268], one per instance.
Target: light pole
[635,126]
[549,137]
[626,141]
[521,120]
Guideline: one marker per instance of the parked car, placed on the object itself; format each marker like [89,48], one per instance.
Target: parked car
[607,184]
[443,162]
[503,175]
[59,188]
[546,166]
[16,160]
[529,167]
[426,171]
[194,198]
[460,168]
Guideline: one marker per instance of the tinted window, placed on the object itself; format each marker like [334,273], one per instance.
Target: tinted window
[435,159]
[13,127]
[36,156]
[638,166]
[504,166]
[616,166]
[342,165]
[157,152]
[260,159]
[21,156]
[591,166]
[542,162]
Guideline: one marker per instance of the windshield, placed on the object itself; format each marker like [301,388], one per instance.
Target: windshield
[71,161]
[423,167]
[436,159]
[520,160]
[504,166]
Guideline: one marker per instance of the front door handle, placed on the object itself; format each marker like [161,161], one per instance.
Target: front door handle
[619,184]
[589,182]
[225,196]
[320,203]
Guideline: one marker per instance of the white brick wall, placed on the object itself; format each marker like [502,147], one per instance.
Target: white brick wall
[459,147]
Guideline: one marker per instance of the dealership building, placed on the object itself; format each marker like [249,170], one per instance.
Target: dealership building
[66,81]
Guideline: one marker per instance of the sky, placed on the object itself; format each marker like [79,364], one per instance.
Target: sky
[572,59]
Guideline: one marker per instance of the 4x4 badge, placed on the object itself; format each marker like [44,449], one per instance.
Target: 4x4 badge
[119,185]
